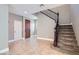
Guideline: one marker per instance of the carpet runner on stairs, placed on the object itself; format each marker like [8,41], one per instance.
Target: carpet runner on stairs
[67,40]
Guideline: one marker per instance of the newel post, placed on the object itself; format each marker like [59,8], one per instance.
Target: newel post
[56,32]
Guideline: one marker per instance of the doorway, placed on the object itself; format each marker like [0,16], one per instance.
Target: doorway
[17,29]
[27,28]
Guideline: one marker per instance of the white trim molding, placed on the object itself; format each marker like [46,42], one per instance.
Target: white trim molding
[45,38]
[15,40]
[4,50]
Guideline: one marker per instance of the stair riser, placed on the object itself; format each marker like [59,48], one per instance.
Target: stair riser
[68,48]
[68,44]
[66,26]
[65,30]
[66,33]
[66,40]
[67,36]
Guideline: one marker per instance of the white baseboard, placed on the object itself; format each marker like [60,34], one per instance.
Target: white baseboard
[23,38]
[4,50]
[15,40]
[12,40]
[48,39]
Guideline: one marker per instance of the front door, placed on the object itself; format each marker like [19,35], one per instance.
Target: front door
[27,28]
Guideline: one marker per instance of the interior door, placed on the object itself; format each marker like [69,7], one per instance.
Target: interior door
[17,29]
[27,28]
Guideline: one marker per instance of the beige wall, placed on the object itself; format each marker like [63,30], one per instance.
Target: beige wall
[75,19]
[11,26]
[12,18]
[64,14]
[45,26]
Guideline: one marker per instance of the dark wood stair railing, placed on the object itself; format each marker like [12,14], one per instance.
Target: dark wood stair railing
[56,27]
[52,11]
[48,16]
[56,32]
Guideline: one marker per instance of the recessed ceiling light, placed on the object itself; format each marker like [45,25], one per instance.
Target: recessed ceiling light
[25,12]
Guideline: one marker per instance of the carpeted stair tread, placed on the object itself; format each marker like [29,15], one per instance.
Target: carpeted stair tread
[73,49]
[67,33]
[66,38]
[67,43]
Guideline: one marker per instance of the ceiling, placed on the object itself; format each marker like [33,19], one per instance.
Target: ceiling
[28,9]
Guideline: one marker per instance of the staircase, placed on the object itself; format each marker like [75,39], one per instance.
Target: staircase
[64,36]
[66,39]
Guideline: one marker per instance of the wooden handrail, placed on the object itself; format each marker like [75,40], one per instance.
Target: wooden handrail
[52,11]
